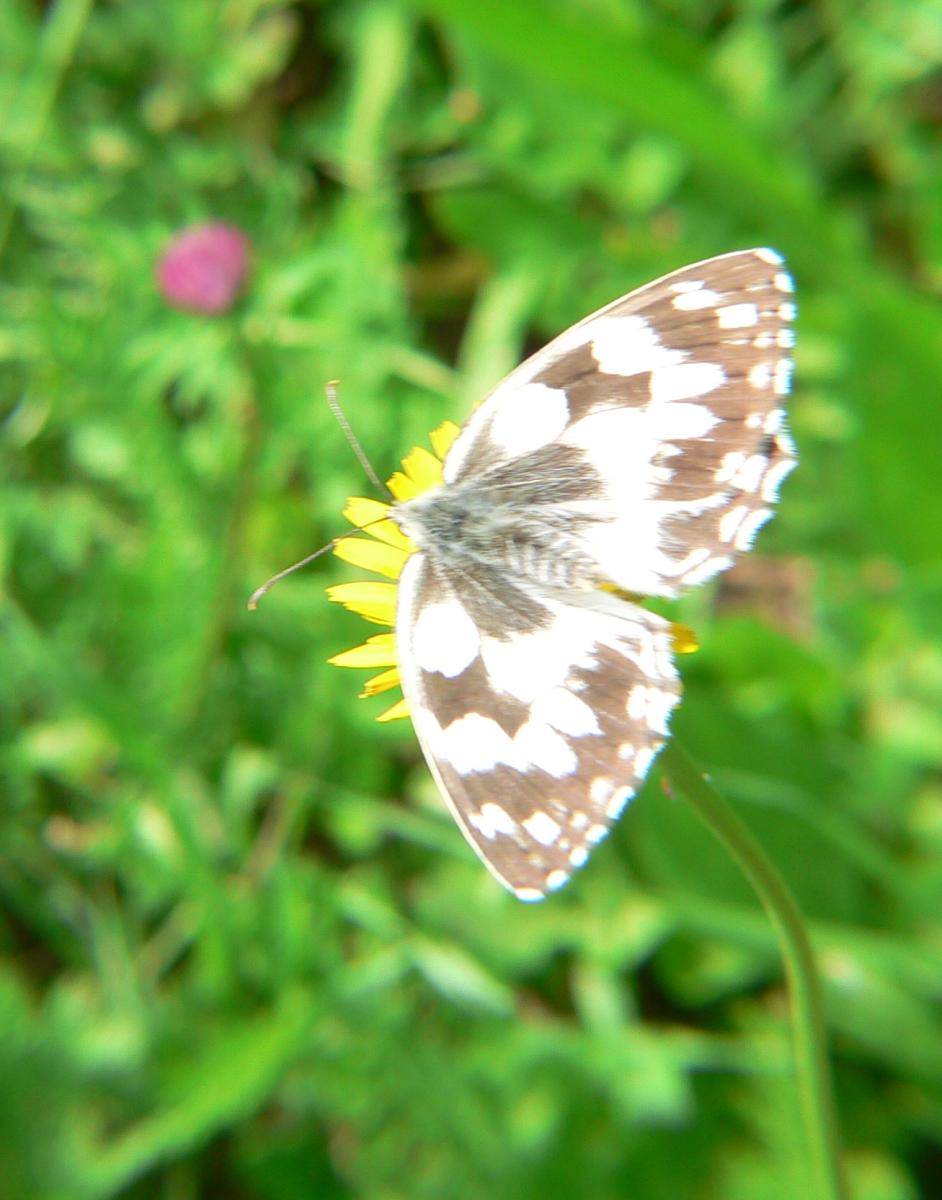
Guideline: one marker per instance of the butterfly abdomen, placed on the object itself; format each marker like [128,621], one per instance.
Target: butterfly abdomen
[549,559]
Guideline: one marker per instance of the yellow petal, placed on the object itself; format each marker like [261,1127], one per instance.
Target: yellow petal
[422,467]
[683,638]
[399,709]
[380,683]
[372,556]
[614,590]
[443,437]
[377,651]
[370,599]
[360,511]
[402,487]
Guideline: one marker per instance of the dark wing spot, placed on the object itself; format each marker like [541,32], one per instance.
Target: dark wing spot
[472,691]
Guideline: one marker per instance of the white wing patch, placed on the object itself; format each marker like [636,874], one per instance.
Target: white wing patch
[529,417]
[445,639]
[563,710]
[627,346]
[685,381]
[738,316]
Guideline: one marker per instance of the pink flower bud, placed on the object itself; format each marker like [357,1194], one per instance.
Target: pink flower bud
[204,267]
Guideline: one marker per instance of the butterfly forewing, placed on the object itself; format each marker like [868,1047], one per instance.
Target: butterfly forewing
[674,393]
[643,448]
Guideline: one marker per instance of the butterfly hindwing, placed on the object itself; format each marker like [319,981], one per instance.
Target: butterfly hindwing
[674,395]
[539,738]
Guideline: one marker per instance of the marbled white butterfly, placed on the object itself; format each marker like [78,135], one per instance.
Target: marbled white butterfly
[643,448]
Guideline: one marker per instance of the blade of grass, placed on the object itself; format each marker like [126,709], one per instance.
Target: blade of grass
[810,1038]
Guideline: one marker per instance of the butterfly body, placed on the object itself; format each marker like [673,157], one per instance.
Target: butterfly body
[525,520]
[639,452]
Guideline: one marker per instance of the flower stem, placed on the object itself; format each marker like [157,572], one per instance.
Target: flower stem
[808,1029]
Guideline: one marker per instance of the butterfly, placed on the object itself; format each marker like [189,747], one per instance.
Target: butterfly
[636,455]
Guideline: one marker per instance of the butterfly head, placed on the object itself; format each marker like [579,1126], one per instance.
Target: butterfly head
[434,518]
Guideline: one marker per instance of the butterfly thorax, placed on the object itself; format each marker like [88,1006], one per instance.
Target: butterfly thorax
[467,526]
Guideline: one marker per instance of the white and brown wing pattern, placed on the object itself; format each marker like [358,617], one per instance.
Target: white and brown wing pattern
[642,448]
[675,395]
[537,740]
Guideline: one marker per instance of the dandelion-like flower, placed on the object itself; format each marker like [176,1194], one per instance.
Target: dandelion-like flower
[384,551]
[540,703]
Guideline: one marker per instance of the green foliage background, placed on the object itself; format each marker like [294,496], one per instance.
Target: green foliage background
[244,951]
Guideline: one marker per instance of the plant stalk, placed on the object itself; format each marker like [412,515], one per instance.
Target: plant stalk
[812,1067]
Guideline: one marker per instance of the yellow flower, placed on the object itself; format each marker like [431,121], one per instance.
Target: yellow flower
[384,551]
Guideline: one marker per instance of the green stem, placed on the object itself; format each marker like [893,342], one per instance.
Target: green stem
[810,1039]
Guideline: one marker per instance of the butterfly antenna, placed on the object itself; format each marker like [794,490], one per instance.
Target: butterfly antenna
[302,562]
[334,405]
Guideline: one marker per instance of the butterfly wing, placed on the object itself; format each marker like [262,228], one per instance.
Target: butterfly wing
[539,739]
[674,396]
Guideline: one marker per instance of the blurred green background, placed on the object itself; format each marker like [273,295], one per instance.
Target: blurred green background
[245,952]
